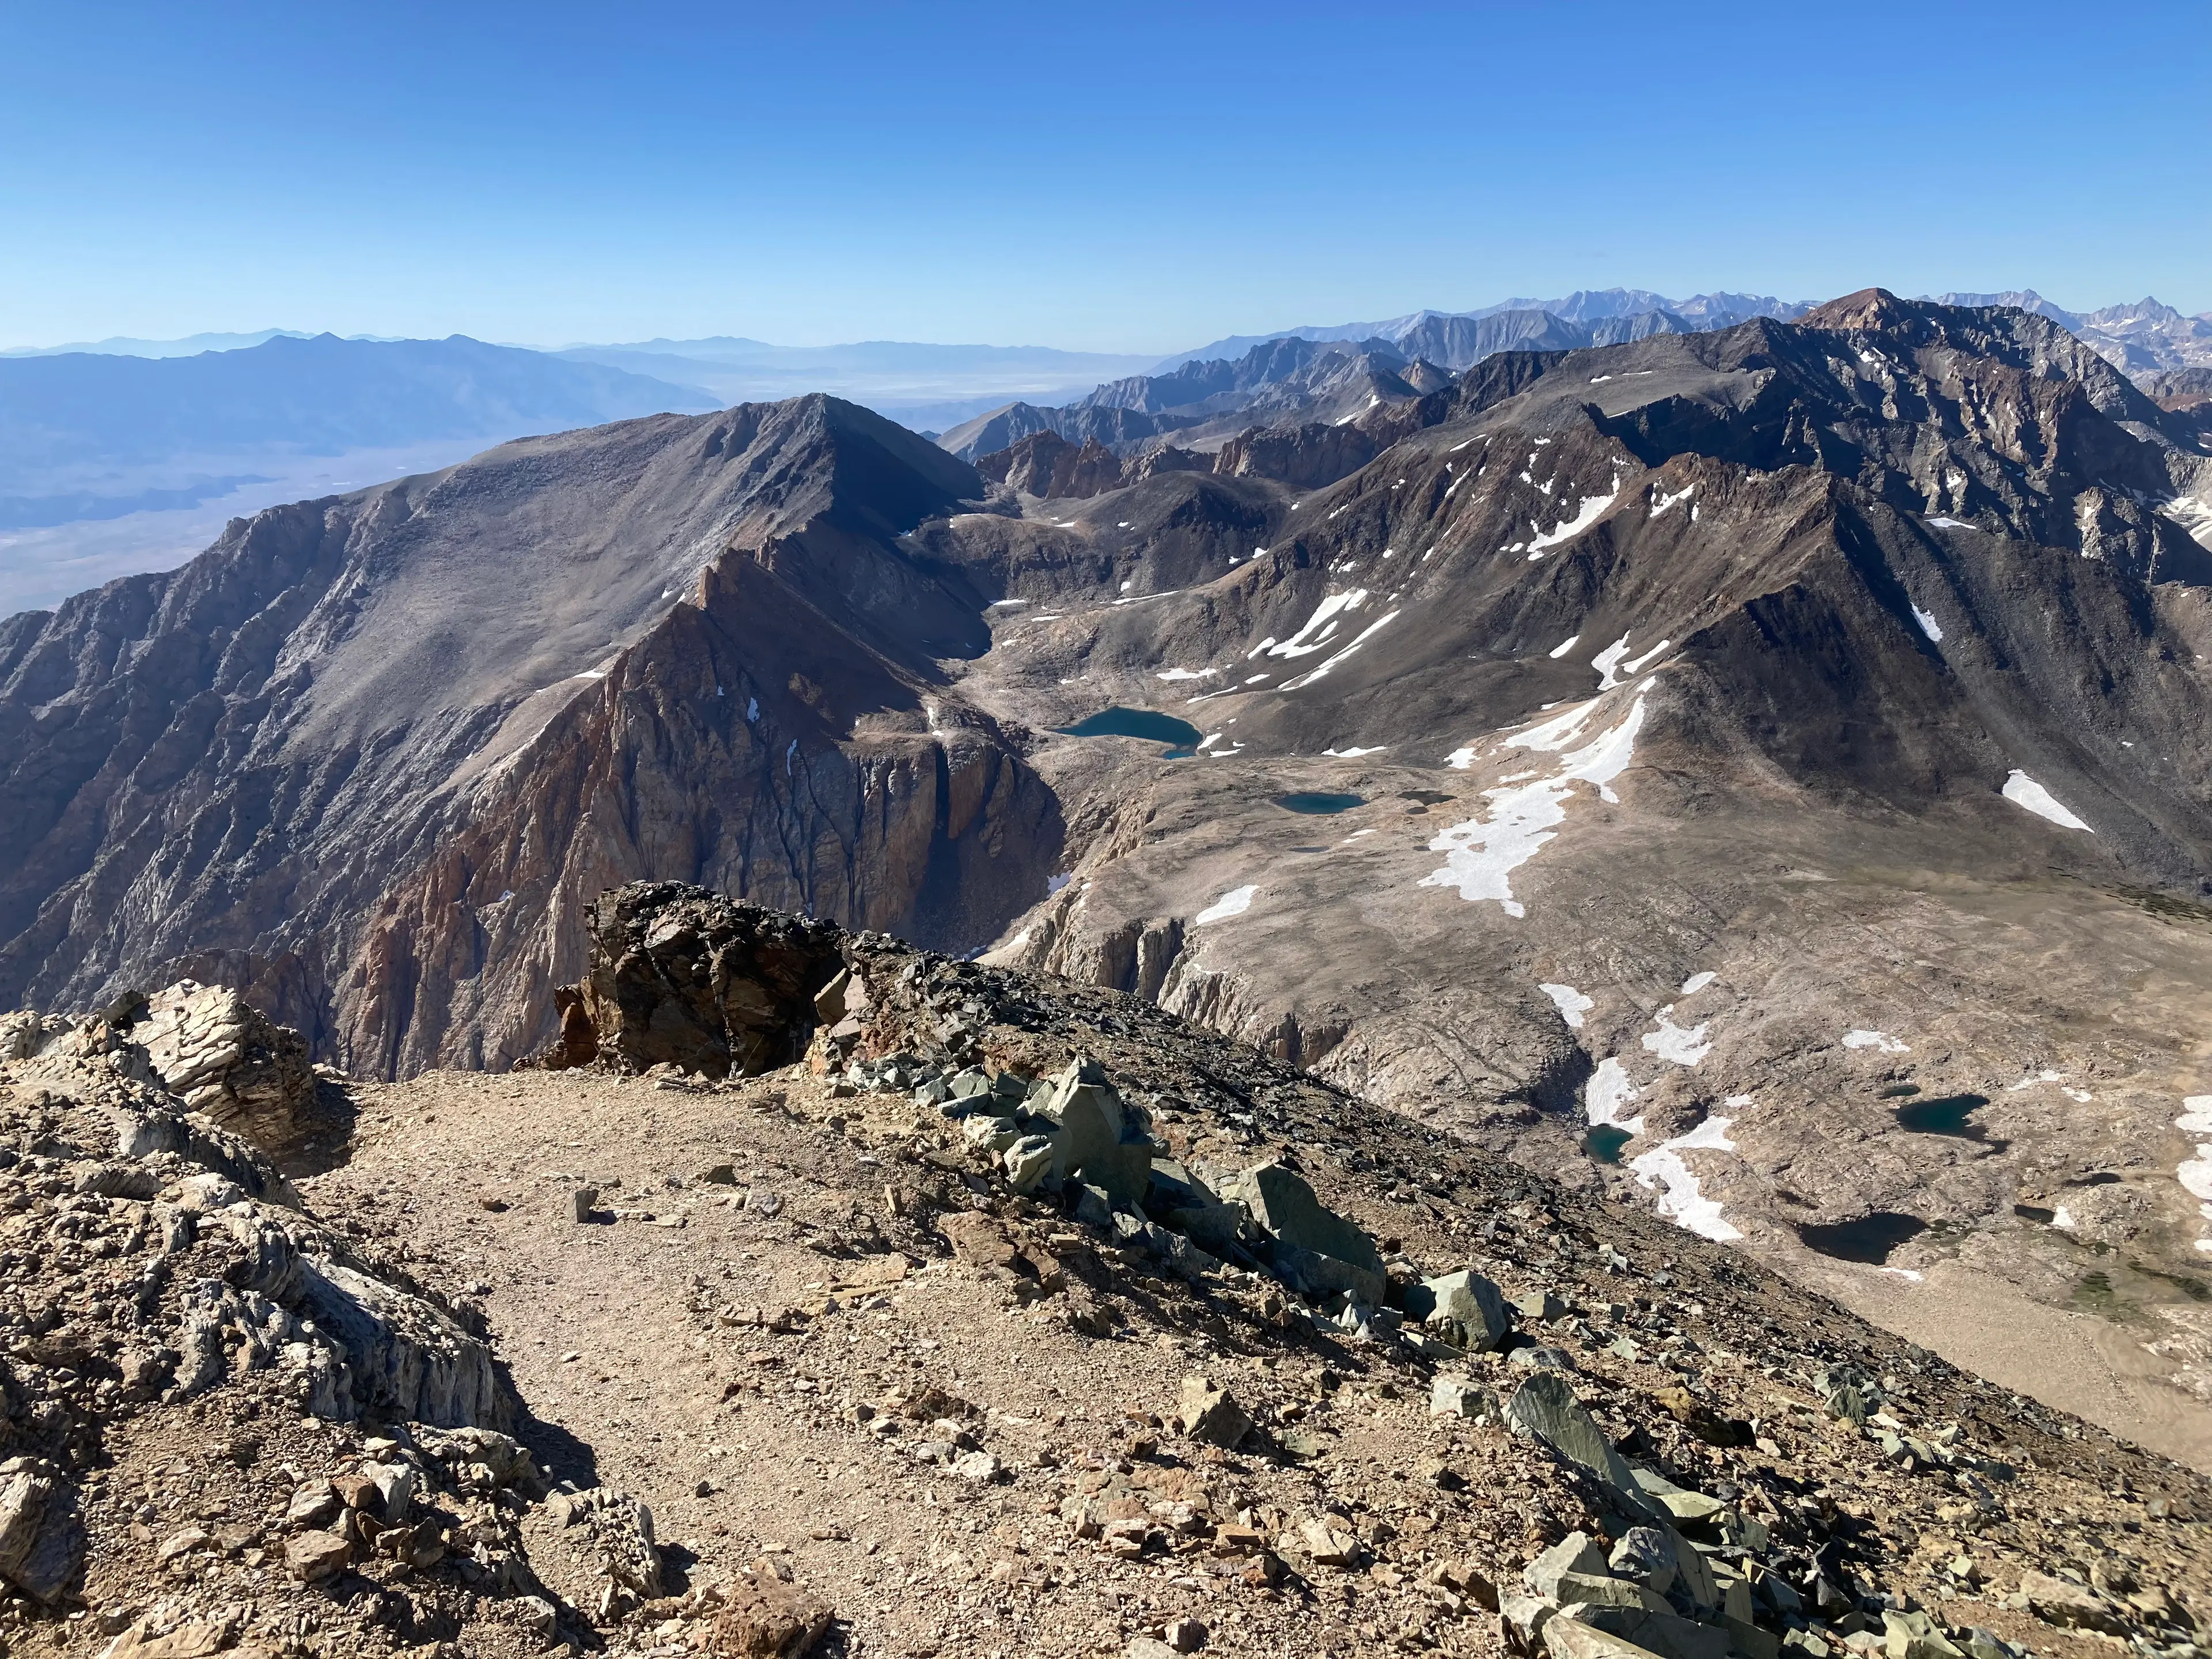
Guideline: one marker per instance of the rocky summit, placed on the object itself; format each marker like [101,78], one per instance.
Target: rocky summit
[815,1293]
[1463,986]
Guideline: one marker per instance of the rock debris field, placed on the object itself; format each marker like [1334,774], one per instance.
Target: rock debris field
[816,1294]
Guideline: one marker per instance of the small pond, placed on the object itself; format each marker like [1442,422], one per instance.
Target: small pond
[1604,1141]
[1318,804]
[1871,1238]
[1943,1114]
[1181,736]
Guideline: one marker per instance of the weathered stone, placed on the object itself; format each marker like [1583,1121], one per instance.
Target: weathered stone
[1281,1201]
[767,1616]
[1465,1306]
[42,1536]
[1460,1396]
[584,1201]
[1093,1140]
[1602,1590]
[1328,1542]
[682,976]
[230,1063]
[1646,1555]
[1540,1307]
[1915,1636]
[1577,1553]
[1030,1160]
[314,1556]
[1210,1414]
[2074,1607]
[1219,1227]
[1547,1408]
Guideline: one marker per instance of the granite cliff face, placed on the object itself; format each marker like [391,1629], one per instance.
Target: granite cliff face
[366,756]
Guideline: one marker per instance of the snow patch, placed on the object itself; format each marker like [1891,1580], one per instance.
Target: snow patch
[1482,854]
[1676,500]
[1681,1202]
[1234,903]
[1927,624]
[1863,1038]
[1592,510]
[1573,1004]
[1559,651]
[1355,753]
[1608,659]
[1673,1042]
[1607,1091]
[1697,982]
[1310,638]
[2021,790]
[1175,674]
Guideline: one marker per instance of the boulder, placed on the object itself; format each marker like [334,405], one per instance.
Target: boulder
[2074,1607]
[766,1615]
[682,976]
[1094,1140]
[1646,1555]
[1210,1414]
[42,1536]
[1466,1306]
[230,1063]
[314,1556]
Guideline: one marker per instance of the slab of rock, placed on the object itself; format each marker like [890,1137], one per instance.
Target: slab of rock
[1576,1553]
[1915,1636]
[1281,1200]
[1566,1638]
[42,1536]
[2074,1607]
[1546,1407]
[230,1063]
[1658,1630]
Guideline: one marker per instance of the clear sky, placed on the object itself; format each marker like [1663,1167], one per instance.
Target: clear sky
[1114,177]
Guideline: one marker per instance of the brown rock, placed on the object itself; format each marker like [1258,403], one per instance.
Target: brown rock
[314,1556]
[767,1616]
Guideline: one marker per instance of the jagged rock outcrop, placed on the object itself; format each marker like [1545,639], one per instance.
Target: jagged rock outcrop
[228,1062]
[684,977]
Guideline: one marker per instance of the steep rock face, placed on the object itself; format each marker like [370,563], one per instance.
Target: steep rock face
[365,748]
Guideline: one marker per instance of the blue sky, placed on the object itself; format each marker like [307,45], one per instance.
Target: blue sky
[1104,177]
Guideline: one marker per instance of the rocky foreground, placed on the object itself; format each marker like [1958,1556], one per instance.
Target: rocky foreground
[818,1294]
